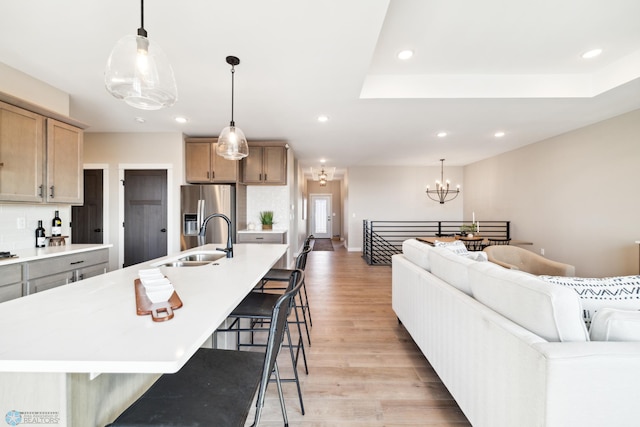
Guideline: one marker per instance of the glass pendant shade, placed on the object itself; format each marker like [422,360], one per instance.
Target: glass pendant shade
[232,143]
[139,73]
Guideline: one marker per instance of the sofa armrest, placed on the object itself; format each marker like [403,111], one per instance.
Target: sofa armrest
[549,267]
[592,383]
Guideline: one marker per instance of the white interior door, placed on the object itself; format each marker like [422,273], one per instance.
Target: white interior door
[320,215]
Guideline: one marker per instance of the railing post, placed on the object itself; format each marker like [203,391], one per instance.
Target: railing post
[508,229]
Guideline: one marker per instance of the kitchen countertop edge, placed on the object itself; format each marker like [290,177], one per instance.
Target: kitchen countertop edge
[33,254]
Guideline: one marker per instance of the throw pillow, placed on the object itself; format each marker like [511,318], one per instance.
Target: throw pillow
[459,248]
[456,247]
[610,324]
[621,292]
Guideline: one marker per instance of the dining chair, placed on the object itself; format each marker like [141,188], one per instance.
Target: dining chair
[215,387]
[498,241]
[474,243]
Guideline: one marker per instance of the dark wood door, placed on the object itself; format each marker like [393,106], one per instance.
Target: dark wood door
[145,215]
[87,220]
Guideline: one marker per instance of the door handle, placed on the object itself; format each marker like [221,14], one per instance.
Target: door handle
[97,230]
[164,230]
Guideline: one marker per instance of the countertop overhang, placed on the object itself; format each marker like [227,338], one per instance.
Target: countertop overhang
[91,326]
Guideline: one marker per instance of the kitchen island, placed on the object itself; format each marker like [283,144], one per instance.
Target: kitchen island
[79,354]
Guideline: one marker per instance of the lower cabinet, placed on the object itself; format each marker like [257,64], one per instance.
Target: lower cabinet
[57,271]
[265,237]
[10,282]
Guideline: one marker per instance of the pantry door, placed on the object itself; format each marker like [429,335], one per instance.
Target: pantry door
[320,216]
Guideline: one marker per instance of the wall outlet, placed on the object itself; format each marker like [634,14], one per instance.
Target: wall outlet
[21,223]
[542,251]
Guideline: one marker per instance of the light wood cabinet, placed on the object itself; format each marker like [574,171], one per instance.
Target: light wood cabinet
[203,165]
[265,164]
[64,163]
[37,163]
[21,154]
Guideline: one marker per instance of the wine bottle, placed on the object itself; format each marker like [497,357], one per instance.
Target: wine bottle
[40,238]
[56,225]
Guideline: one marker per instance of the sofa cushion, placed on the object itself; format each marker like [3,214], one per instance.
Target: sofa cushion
[621,292]
[610,324]
[550,311]
[417,252]
[451,268]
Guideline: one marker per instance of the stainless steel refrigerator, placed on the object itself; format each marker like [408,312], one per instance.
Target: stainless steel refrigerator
[199,201]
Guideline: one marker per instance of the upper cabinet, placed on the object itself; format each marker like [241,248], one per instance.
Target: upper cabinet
[64,163]
[40,158]
[266,164]
[21,154]
[203,165]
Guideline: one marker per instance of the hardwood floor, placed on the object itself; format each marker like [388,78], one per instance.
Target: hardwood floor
[364,369]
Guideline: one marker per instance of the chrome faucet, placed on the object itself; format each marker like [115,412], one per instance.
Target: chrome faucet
[203,233]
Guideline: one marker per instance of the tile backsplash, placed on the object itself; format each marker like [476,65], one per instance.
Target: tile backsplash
[18,224]
[268,198]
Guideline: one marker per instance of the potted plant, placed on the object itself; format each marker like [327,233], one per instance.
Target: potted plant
[266,219]
[466,229]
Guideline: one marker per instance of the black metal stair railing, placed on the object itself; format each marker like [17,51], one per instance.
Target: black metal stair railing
[383,239]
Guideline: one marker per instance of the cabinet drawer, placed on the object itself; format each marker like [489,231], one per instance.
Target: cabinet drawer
[9,292]
[49,266]
[10,274]
[260,237]
[49,282]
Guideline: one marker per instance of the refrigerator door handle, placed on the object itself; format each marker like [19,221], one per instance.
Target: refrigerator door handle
[203,210]
[199,216]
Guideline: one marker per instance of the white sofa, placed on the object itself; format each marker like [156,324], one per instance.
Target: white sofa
[512,349]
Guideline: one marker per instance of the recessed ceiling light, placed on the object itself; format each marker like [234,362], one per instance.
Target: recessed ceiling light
[323,118]
[139,119]
[499,134]
[405,54]
[592,53]
[180,119]
[441,134]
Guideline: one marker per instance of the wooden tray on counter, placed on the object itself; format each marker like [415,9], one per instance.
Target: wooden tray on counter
[144,306]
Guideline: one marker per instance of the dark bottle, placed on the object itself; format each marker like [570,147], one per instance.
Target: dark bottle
[40,238]
[56,226]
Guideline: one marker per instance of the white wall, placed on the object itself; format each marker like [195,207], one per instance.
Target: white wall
[25,87]
[142,151]
[576,195]
[397,194]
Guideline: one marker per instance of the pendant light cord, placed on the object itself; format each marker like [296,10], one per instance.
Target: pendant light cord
[233,71]
[141,31]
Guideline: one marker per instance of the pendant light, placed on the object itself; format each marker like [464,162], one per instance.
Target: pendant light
[139,73]
[232,143]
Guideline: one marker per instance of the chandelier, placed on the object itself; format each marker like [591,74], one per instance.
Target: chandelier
[322,175]
[442,193]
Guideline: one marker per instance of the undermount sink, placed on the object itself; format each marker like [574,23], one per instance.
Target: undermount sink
[188,263]
[195,259]
[204,256]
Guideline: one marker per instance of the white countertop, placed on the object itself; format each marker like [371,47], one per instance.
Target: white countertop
[263,231]
[91,326]
[32,254]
